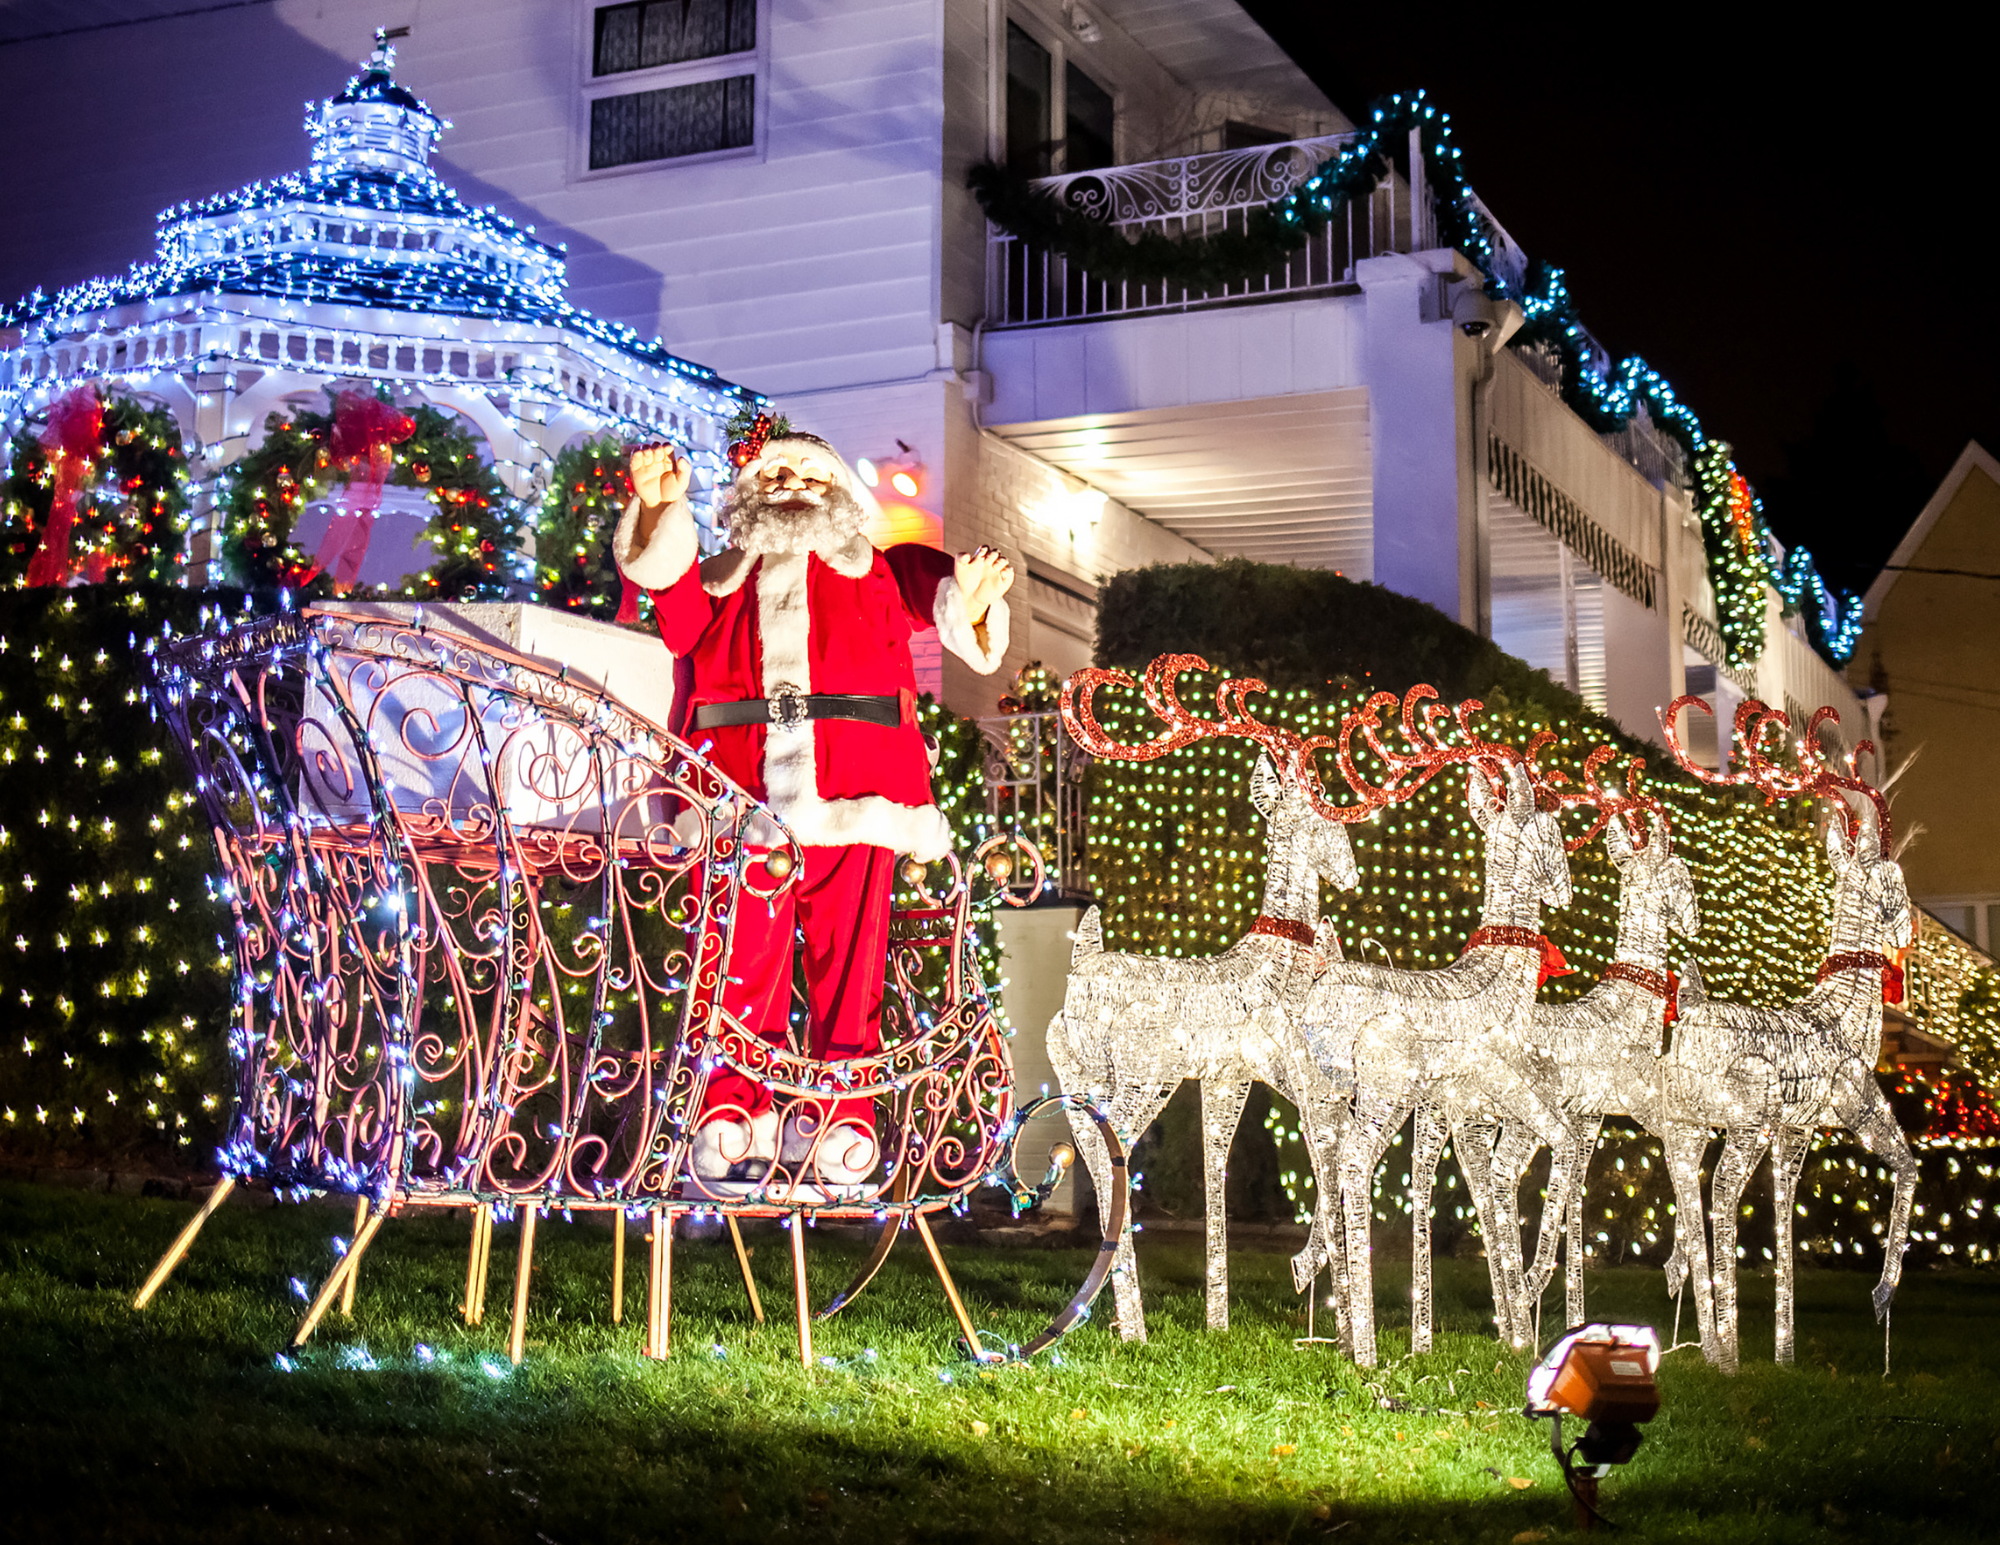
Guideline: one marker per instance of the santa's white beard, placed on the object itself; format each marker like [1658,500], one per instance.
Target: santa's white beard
[829,521]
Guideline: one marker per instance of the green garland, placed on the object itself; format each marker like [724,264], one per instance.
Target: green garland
[476,527]
[588,489]
[134,507]
[1271,234]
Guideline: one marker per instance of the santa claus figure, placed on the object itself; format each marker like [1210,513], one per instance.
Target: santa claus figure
[793,669]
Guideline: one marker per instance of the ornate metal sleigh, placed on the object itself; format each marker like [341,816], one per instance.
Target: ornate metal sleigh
[483,916]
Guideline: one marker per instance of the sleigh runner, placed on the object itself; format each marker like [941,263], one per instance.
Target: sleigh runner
[483,916]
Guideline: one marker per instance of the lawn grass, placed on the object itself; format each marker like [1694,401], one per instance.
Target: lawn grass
[177,1424]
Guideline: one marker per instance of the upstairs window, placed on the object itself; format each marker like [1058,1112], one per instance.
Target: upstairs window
[651,33]
[1030,105]
[669,79]
[1059,119]
[1089,123]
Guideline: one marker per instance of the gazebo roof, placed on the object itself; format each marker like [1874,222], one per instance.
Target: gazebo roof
[367,223]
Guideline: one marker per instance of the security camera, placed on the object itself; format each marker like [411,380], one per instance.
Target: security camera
[1478,327]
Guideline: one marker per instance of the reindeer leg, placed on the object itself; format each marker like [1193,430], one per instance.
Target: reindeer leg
[1788,1156]
[1097,1158]
[1324,1245]
[1740,1151]
[1361,1150]
[1130,1117]
[1684,1145]
[1875,1124]
[1428,1138]
[1473,1142]
[1221,1110]
[1511,1157]
[1578,1181]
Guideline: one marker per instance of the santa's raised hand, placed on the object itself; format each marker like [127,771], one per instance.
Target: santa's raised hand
[660,475]
[983,577]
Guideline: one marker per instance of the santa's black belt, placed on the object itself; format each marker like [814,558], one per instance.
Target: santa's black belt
[797,707]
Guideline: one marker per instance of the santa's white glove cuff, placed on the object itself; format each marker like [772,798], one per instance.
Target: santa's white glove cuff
[956,632]
[669,555]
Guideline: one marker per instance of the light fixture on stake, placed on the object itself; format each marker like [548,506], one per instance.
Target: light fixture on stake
[1604,1375]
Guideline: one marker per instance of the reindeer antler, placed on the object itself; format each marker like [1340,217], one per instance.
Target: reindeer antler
[1294,755]
[1815,779]
[1429,752]
[1630,806]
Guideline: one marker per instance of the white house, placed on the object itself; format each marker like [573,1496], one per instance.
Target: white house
[777,190]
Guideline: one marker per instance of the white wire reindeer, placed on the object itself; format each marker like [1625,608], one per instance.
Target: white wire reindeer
[1770,1077]
[1132,1027]
[1604,1048]
[1450,1036]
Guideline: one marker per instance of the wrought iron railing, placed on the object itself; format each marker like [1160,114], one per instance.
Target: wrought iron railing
[1194,196]
[1035,789]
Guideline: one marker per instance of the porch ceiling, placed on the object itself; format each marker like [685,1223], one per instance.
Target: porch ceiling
[1277,479]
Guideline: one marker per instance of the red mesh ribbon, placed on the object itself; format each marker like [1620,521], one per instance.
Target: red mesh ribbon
[1284,928]
[72,439]
[365,430]
[1506,936]
[1664,985]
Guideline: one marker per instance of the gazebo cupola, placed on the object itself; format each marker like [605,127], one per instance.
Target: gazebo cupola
[374,124]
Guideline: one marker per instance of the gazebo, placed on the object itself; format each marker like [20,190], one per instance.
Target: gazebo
[363,271]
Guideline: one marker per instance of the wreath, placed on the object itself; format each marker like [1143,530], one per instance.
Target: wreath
[305,455]
[111,473]
[589,488]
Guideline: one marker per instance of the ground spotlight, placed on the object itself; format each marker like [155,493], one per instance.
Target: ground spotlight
[1602,1374]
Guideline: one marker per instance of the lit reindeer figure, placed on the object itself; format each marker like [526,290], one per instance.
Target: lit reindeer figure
[1770,1077]
[1604,1049]
[1133,1026]
[1400,1039]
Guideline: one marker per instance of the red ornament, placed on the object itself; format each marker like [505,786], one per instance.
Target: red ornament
[746,450]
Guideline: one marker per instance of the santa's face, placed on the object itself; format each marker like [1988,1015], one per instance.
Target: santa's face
[794,478]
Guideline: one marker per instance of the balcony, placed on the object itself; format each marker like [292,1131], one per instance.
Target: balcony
[1189,197]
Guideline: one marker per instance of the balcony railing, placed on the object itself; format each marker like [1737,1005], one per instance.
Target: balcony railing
[1035,789]
[1194,196]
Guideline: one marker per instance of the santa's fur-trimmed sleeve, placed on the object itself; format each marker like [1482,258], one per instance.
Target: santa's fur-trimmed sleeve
[663,560]
[956,632]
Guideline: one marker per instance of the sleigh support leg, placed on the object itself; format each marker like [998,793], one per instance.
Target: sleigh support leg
[182,1243]
[965,1329]
[337,1279]
[660,1285]
[743,1265]
[354,1274]
[517,1334]
[477,1256]
[798,1232]
[618,1266]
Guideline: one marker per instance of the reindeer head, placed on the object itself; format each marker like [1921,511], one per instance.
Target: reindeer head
[1285,786]
[1655,890]
[1870,897]
[1527,861]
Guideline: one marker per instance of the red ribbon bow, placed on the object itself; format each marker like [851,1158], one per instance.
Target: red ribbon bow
[364,430]
[71,441]
[1892,983]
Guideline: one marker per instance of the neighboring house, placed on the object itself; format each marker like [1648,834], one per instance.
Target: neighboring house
[777,188]
[1931,645]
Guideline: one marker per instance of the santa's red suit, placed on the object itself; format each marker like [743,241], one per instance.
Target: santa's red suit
[815,610]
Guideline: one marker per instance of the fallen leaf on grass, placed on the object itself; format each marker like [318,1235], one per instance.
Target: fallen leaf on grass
[1530,1536]
[980,1429]
[1753,1441]
[1079,1415]
[1519,1482]
[1347,1432]
[1280,1450]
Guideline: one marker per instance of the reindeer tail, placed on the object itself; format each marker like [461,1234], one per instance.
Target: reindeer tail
[1089,939]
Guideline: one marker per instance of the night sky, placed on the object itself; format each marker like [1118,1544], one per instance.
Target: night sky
[1787,227]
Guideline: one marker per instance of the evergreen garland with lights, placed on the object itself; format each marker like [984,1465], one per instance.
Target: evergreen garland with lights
[132,508]
[476,528]
[589,487]
[1271,234]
